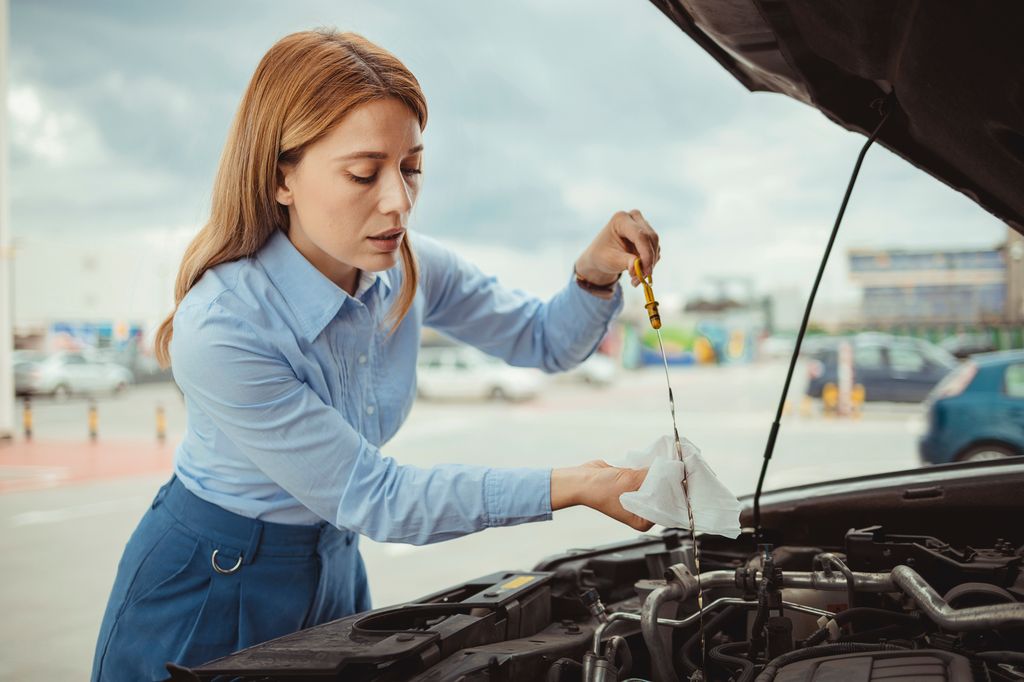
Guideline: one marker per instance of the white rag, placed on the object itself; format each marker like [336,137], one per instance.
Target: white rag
[662,500]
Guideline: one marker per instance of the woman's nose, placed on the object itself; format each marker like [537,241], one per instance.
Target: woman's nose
[396,195]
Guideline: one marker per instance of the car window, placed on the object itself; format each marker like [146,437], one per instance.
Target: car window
[868,357]
[905,359]
[74,360]
[1015,381]
[937,356]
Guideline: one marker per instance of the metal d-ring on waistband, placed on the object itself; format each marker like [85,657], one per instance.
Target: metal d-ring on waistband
[225,571]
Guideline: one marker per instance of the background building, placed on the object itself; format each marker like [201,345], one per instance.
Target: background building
[943,288]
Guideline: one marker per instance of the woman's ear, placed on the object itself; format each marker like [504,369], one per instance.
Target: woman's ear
[284,193]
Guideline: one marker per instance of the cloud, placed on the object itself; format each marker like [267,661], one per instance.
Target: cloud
[41,133]
[545,118]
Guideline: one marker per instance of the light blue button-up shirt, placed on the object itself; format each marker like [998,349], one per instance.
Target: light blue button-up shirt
[292,386]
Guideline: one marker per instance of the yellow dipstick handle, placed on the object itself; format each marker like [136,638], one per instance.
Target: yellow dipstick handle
[651,305]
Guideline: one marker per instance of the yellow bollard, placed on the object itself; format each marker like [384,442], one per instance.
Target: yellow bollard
[805,406]
[26,417]
[161,424]
[857,398]
[830,398]
[94,421]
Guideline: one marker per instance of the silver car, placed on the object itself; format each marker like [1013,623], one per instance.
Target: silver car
[66,373]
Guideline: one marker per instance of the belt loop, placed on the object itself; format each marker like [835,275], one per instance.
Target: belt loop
[254,542]
[162,493]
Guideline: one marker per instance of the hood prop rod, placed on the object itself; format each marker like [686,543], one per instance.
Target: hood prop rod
[883,105]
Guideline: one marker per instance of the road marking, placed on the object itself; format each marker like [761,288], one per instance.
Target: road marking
[61,514]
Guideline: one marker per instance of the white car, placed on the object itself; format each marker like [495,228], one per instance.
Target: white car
[66,373]
[597,370]
[466,373]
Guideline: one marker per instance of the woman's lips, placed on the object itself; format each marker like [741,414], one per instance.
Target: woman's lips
[389,241]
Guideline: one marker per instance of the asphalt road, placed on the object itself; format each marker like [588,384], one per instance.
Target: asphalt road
[60,543]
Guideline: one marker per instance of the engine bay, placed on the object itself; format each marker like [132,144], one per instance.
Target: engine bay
[931,590]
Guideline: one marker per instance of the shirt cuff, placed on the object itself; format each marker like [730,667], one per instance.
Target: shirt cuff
[513,496]
[599,310]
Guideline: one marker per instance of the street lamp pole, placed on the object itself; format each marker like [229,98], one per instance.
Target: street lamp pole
[6,252]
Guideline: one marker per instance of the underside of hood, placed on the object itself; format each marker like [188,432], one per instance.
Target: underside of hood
[955,69]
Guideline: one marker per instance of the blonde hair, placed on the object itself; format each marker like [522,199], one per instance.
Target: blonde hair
[301,89]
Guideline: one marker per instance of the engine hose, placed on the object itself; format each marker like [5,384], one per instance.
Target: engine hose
[661,661]
[1014,657]
[772,669]
[844,617]
[555,671]
[723,653]
[618,650]
[826,558]
[712,628]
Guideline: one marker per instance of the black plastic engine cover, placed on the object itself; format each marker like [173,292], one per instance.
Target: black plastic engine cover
[924,665]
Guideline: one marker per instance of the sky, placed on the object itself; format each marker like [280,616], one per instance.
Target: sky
[544,119]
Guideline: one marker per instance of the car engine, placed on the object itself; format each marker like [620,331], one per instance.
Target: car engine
[875,605]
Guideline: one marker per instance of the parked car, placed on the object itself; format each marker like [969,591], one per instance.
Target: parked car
[67,373]
[25,363]
[144,366]
[977,412]
[461,372]
[597,370]
[965,345]
[890,368]
[776,347]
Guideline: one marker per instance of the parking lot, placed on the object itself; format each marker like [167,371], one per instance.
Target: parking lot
[67,513]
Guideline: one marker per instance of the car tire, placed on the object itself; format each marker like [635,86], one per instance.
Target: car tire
[498,393]
[120,388]
[985,453]
[61,393]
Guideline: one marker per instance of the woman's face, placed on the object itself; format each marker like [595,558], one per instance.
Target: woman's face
[350,195]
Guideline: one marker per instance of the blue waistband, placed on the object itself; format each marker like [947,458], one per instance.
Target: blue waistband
[249,536]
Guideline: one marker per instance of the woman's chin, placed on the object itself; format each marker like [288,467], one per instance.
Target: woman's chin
[379,262]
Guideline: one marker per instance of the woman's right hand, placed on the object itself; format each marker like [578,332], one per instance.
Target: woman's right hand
[598,485]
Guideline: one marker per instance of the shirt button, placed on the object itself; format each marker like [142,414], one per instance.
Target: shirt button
[362,359]
[370,409]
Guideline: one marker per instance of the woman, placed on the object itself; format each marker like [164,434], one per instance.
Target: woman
[294,341]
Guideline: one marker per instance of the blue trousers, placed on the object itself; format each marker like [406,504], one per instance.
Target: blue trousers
[197,582]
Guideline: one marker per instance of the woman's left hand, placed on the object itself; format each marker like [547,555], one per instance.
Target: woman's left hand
[626,236]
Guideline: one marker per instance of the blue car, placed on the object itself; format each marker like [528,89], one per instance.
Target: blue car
[977,411]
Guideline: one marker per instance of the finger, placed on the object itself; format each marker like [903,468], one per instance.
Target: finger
[652,237]
[640,524]
[643,247]
[643,240]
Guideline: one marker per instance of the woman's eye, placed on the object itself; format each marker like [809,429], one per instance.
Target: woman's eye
[363,180]
[368,179]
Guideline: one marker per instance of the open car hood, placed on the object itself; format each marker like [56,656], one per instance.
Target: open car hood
[956,70]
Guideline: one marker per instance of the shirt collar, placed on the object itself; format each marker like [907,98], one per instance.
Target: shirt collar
[314,299]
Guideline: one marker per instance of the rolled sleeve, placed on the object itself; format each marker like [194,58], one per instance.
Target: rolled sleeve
[253,396]
[553,335]
[517,496]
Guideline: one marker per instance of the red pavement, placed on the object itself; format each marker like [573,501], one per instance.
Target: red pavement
[31,465]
